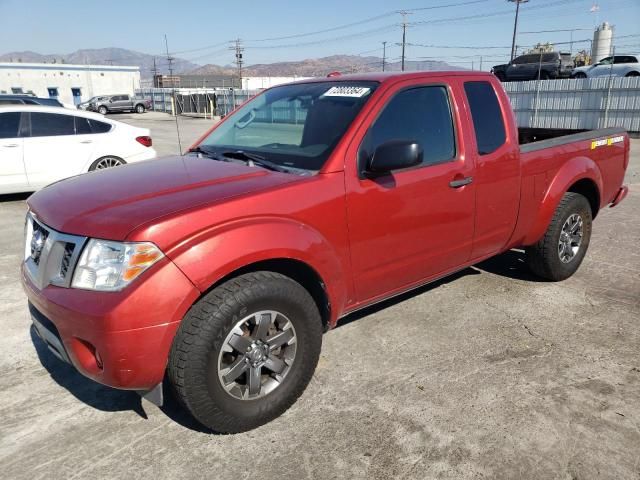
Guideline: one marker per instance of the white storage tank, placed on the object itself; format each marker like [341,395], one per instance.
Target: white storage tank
[602,42]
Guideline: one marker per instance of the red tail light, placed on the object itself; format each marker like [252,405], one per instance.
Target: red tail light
[146,141]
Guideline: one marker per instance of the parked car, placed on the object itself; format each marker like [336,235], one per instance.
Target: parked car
[28,100]
[40,145]
[532,66]
[85,105]
[119,103]
[500,71]
[220,269]
[616,66]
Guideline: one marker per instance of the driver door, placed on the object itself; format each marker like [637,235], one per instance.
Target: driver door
[416,223]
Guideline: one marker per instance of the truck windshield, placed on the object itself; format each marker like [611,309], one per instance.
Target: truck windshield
[295,126]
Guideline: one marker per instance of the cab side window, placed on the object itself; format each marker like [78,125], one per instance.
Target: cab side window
[421,115]
[487,116]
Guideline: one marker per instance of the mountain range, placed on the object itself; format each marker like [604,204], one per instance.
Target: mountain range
[303,68]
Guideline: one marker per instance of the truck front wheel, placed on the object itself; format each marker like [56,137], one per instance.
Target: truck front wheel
[561,250]
[246,351]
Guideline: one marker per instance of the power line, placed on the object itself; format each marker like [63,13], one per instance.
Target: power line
[457,46]
[366,20]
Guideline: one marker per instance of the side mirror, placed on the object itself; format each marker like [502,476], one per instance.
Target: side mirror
[393,155]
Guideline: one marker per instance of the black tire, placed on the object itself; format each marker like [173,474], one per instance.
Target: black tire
[102,110]
[139,108]
[580,75]
[543,75]
[543,257]
[194,358]
[633,74]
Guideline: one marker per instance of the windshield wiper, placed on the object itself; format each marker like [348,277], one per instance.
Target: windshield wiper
[253,159]
[207,153]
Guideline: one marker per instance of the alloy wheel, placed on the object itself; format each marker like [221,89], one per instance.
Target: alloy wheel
[108,162]
[257,355]
[570,238]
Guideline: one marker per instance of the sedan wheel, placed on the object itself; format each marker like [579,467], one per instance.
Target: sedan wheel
[106,162]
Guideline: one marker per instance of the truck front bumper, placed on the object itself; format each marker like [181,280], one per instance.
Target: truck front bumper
[120,339]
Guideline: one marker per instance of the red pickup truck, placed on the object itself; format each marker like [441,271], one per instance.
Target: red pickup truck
[218,271]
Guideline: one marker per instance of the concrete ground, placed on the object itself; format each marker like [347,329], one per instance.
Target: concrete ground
[487,374]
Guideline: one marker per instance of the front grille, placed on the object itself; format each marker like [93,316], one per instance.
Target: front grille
[50,256]
[38,240]
[66,259]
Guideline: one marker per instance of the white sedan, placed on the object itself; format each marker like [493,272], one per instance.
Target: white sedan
[615,66]
[40,145]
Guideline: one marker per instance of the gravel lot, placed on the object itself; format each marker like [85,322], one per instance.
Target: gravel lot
[487,374]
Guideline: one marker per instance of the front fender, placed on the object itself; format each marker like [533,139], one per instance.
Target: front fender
[574,170]
[215,253]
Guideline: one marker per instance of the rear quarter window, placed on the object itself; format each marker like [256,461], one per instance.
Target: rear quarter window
[488,122]
[99,127]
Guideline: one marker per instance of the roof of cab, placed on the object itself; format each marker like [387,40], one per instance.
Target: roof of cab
[384,77]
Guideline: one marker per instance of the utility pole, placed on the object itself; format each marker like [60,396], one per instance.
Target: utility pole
[238,48]
[515,26]
[384,54]
[175,113]
[404,33]
[155,72]
[170,60]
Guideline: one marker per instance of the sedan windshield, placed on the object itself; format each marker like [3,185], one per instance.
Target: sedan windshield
[295,126]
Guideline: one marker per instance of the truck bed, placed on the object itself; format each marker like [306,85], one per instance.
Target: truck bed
[532,139]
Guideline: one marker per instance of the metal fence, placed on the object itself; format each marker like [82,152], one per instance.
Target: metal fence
[200,101]
[577,104]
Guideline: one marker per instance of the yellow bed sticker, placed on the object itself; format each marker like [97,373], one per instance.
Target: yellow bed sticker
[606,141]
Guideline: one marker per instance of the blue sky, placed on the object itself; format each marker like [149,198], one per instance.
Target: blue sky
[198,30]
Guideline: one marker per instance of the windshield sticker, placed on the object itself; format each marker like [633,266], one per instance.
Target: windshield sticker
[606,141]
[355,92]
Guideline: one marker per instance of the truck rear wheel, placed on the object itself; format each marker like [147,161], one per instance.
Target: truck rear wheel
[246,351]
[561,250]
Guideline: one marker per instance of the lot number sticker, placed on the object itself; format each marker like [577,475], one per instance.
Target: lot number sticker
[606,141]
[355,92]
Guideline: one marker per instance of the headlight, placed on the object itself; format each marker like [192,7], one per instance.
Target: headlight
[111,266]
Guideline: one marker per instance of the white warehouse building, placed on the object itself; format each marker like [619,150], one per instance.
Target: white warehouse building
[70,84]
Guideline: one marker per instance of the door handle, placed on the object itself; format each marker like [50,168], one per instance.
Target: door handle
[86,141]
[10,145]
[460,182]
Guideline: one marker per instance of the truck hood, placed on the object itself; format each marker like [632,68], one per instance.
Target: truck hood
[109,204]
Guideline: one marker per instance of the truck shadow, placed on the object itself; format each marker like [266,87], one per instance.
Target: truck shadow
[14,197]
[510,264]
[105,398]
[87,391]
